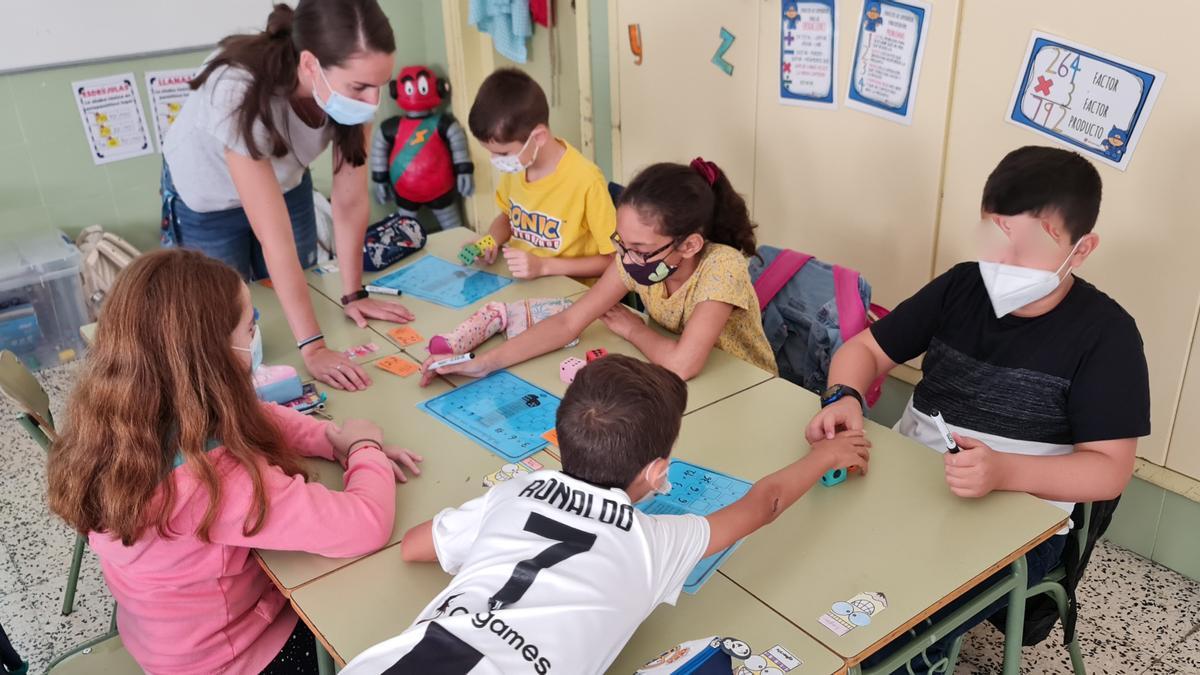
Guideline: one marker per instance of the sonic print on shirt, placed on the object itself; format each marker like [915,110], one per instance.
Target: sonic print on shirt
[535,228]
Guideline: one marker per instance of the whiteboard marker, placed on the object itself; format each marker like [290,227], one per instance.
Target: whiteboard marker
[947,437]
[383,289]
[453,360]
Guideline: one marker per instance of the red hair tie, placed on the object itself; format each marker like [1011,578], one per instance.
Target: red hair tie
[706,169]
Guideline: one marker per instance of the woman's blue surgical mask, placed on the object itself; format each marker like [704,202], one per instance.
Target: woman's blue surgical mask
[343,109]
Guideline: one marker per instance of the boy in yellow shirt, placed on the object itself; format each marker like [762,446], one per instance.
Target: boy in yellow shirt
[556,215]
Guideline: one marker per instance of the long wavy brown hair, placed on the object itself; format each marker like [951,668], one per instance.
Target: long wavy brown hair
[162,378]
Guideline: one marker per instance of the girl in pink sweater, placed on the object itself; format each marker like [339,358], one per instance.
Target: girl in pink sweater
[176,471]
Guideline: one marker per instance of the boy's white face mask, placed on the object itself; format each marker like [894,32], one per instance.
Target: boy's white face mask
[663,489]
[513,163]
[1011,287]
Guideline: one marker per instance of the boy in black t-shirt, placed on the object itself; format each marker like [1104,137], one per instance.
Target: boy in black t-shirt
[1041,376]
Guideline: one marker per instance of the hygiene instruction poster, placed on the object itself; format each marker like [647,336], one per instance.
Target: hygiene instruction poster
[168,90]
[113,119]
[808,53]
[1083,98]
[887,58]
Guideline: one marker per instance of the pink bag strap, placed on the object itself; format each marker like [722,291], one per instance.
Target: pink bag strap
[852,316]
[778,274]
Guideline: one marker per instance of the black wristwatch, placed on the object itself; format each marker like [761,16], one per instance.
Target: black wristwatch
[837,392]
[356,295]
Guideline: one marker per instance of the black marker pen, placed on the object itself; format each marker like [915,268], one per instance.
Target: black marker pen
[947,437]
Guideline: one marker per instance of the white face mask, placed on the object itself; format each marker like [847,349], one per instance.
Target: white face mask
[255,349]
[512,163]
[663,489]
[1011,287]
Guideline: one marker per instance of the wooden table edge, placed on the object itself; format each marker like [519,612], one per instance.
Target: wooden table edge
[954,595]
[288,590]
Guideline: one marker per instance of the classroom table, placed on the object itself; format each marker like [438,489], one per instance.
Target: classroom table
[451,473]
[386,595]
[279,345]
[897,531]
[432,318]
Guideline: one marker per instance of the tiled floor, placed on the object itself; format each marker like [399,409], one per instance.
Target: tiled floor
[1135,616]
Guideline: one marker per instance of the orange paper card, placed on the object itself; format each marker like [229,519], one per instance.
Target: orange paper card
[397,365]
[405,336]
[551,436]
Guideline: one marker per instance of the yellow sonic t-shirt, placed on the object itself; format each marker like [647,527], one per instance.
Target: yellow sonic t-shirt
[722,275]
[567,214]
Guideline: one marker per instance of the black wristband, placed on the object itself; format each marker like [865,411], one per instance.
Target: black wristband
[837,392]
[309,340]
[356,295]
[464,167]
[381,177]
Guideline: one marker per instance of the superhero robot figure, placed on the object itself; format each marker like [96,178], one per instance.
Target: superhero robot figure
[420,158]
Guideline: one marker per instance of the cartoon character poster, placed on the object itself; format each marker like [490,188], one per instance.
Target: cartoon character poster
[1082,98]
[887,58]
[808,53]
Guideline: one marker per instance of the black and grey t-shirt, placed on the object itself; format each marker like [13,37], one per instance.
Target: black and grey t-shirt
[1034,385]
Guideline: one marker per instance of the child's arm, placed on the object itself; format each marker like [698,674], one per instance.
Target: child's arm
[856,364]
[773,494]
[525,265]
[542,337]
[1094,471]
[310,517]
[300,432]
[687,355]
[417,544]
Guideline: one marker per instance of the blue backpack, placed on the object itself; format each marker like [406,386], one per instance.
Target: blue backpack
[809,308]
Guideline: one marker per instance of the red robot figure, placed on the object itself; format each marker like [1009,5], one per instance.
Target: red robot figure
[420,158]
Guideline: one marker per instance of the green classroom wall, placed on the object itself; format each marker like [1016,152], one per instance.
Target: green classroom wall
[47,178]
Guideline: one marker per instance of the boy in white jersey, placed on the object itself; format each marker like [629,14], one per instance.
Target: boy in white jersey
[554,571]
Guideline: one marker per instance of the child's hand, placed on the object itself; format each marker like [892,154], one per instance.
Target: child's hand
[846,449]
[370,308]
[341,438]
[524,265]
[403,458]
[975,470]
[621,320]
[477,367]
[488,255]
[842,414]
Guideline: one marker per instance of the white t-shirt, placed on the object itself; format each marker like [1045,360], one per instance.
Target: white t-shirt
[195,146]
[575,569]
[921,428]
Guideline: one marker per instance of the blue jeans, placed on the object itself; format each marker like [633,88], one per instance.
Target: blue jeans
[1043,558]
[226,235]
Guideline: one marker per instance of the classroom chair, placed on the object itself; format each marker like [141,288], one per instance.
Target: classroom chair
[104,654]
[19,385]
[1016,587]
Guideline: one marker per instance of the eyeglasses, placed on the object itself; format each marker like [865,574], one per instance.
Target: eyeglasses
[637,257]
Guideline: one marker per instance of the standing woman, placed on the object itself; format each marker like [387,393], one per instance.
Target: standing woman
[236,183]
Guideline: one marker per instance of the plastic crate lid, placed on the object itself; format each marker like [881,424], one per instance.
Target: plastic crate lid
[28,256]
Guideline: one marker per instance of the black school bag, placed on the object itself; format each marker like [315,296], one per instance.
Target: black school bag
[390,240]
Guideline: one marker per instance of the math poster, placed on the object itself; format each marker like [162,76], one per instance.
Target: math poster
[1084,99]
[887,58]
[168,90]
[808,53]
[113,119]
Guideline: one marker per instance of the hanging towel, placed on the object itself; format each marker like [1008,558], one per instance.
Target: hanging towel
[507,21]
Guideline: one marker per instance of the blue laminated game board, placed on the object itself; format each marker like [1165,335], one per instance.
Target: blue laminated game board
[701,491]
[501,412]
[443,282]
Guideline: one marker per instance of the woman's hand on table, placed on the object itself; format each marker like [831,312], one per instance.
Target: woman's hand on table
[370,308]
[334,368]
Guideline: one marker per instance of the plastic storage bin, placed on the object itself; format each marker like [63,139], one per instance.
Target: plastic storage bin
[41,297]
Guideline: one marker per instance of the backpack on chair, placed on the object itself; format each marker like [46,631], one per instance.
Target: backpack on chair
[809,309]
[104,256]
